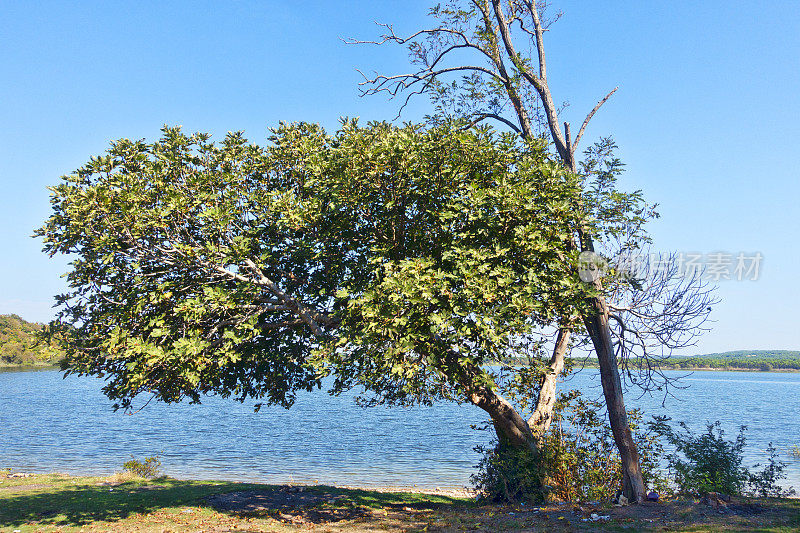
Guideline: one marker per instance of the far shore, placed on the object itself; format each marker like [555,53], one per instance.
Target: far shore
[35,366]
[578,365]
[707,368]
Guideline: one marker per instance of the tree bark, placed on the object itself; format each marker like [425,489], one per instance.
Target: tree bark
[542,416]
[597,325]
[511,428]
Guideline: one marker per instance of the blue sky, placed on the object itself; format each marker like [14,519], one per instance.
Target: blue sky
[707,116]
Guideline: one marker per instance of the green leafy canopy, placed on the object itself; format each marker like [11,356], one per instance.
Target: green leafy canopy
[400,259]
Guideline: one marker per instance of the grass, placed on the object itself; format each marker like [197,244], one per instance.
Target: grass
[56,502]
[66,503]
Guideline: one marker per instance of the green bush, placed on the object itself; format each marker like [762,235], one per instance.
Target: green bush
[704,463]
[507,474]
[576,460]
[765,483]
[149,468]
[710,463]
[581,458]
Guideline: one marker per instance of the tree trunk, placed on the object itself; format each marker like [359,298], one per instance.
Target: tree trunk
[597,325]
[512,430]
[540,421]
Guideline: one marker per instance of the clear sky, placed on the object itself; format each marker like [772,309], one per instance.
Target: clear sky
[707,116]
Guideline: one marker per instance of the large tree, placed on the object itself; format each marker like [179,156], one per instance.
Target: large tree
[401,260]
[484,60]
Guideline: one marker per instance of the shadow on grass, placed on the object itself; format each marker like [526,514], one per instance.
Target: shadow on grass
[322,504]
[79,504]
[76,503]
[396,500]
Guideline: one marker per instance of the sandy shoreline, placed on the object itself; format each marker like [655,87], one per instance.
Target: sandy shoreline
[462,492]
[453,492]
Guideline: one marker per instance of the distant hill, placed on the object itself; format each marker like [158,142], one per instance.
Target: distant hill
[757,360]
[18,345]
[750,354]
[742,359]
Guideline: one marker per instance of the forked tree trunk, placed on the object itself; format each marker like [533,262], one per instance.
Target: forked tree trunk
[513,430]
[599,331]
[510,426]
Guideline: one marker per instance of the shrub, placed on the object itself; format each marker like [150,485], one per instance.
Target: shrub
[576,460]
[710,463]
[149,468]
[706,462]
[507,474]
[581,458]
[765,483]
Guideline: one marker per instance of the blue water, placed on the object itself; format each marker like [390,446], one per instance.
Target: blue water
[52,424]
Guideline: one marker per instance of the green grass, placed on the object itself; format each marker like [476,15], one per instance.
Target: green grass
[65,503]
[62,503]
[68,501]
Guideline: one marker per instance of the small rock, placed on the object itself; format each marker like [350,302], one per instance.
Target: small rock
[716,500]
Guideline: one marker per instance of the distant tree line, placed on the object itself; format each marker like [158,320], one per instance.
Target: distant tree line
[746,360]
[761,360]
[19,346]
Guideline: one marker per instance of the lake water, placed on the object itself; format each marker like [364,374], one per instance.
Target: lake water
[48,423]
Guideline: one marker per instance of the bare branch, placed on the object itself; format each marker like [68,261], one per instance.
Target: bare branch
[589,117]
[392,37]
[539,31]
[658,310]
[539,82]
[384,83]
[483,116]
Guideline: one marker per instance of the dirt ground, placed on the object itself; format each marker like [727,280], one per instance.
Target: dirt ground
[62,503]
[308,507]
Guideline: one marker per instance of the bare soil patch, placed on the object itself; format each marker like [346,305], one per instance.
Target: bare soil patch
[33,486]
